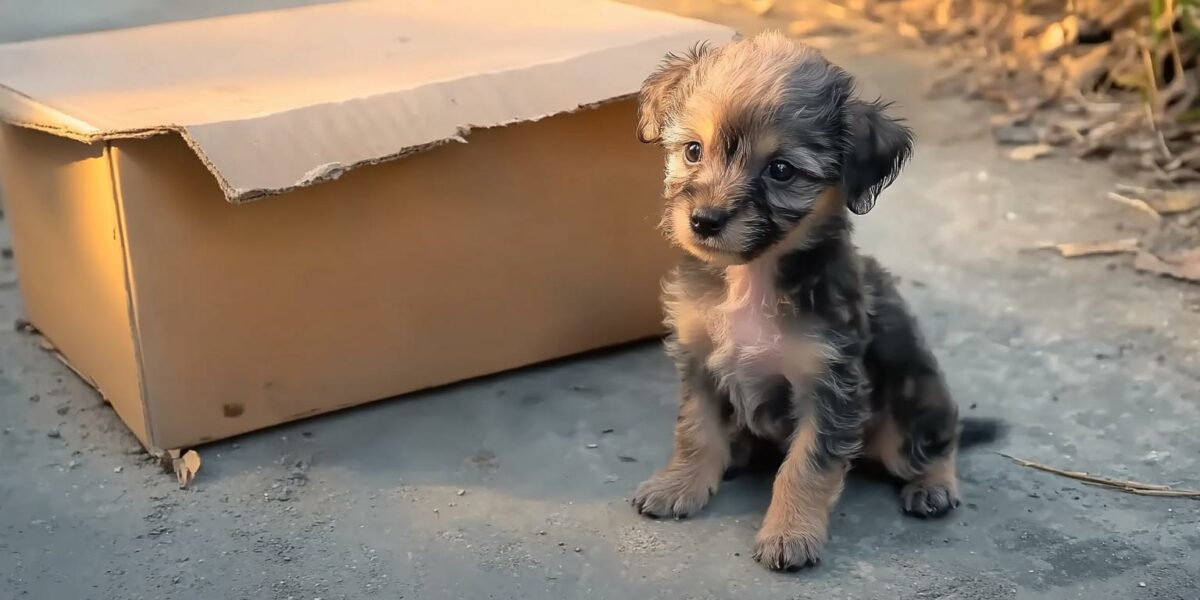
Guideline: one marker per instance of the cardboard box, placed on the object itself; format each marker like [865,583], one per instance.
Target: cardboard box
[229,223]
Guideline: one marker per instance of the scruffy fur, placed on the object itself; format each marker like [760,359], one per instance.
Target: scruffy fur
[781,331]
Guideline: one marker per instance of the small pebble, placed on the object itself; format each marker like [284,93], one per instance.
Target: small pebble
[578,549]
[62,410]
[35,398]
[461,492]
[593,446]
[542,532]
[610,479]
[436,510]
[53,434]
[1141,584]
[117,469]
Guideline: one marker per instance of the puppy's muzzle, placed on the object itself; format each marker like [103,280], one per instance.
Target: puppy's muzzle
[708,222]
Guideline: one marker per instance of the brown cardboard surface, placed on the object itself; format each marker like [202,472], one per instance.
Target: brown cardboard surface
[67,229]
[461,261]
[272,101]
[200,319]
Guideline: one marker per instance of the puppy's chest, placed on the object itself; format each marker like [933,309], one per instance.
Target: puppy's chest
[758,347]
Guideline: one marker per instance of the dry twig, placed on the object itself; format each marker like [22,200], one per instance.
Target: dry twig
[1121,485]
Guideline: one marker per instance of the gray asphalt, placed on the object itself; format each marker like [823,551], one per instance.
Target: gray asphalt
[491,489]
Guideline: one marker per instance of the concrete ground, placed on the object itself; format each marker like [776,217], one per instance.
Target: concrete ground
[517,486]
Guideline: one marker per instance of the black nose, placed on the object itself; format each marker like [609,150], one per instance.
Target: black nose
[707,222]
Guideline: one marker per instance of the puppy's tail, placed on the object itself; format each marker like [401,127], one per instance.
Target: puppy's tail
[975,431]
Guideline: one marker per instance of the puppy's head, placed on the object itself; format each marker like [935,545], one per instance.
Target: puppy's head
[763,136]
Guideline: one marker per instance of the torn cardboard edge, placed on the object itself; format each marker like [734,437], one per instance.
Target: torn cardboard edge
[318,174]
[326,159]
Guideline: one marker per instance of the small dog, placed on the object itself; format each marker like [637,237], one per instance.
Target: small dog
[782,333]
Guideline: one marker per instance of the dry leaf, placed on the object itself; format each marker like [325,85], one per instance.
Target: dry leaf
[1183,265]
[1030,152]
[1059,34]
[1170,203]
[1077,249]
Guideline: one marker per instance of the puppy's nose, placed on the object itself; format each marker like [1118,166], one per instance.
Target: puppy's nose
[707,222]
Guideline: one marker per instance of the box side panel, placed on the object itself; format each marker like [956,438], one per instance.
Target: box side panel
[529,243]
[70,258]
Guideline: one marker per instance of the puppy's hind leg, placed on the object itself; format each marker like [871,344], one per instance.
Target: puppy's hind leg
[700,457]
[923,458]
[914,429]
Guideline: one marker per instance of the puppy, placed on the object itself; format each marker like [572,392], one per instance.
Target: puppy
[781,331]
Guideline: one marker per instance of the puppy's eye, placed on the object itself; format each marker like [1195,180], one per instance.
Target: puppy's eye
[781,171]
[692,152]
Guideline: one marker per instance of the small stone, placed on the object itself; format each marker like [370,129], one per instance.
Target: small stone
[461,492]
[54,434]
[593,446]
[6,252]
[436,510]
[578,549]
[610,479]
[117,469]
[35,398]
[1141,584]
[542,532]
[62,410]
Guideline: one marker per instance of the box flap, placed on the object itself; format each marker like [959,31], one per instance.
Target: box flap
[275,100]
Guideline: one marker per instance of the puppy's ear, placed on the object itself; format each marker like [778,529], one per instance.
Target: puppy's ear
[878,147]
[660,90]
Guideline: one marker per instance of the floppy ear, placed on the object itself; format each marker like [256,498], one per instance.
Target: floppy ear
[660,90]
[877,148]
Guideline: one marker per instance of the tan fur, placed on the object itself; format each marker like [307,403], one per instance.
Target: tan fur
[885,441]
[797,521]
[699,459]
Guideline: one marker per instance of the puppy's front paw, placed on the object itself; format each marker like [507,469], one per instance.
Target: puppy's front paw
[927,500]
[672,494]
[787,550]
